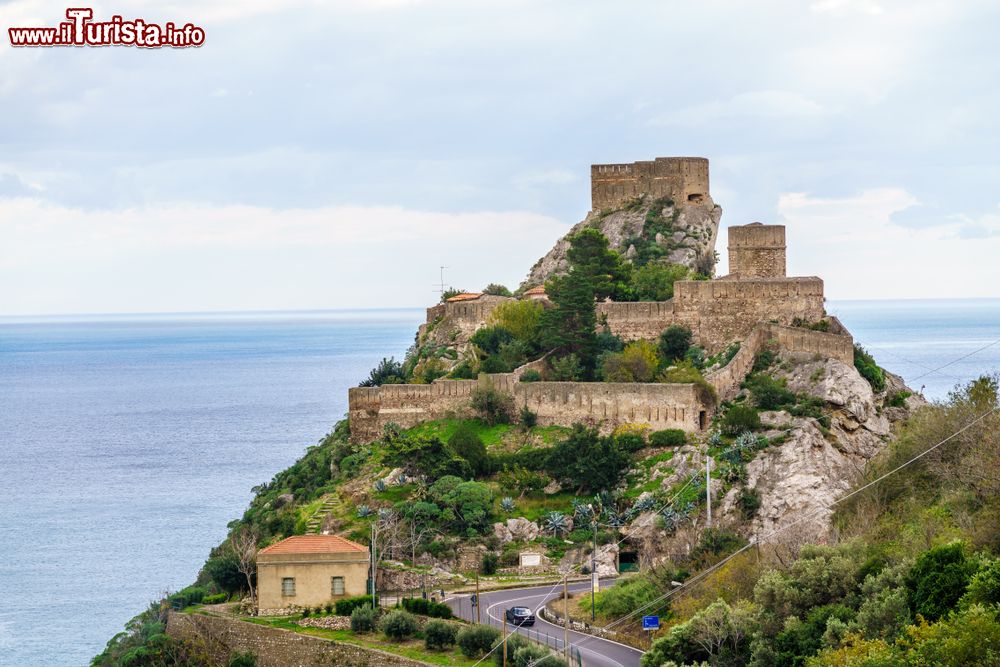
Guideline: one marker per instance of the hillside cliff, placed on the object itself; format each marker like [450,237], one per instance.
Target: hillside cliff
[645,230]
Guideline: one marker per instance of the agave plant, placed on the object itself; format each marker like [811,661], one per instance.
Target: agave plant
[746,440]
[613,518]
[670,519]
[643,504]
[402,479]
[715,439]
[507,504]
[384,513]
[364,511]
[556,523]
[380,485]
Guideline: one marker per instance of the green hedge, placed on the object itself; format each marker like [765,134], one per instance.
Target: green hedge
[427,607]
[671,437]
[345,606]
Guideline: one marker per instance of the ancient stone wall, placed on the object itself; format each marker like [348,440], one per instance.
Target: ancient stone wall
[757,250]
[275,647]
[564,403]
[795,340]
[718,312]
[464,316]
[681,179]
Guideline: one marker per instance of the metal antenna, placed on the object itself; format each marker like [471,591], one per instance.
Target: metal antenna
[440,285]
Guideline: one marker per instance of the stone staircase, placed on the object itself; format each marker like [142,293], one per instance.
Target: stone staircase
[331,504]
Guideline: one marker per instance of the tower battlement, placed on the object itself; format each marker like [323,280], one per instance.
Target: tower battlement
[757,251]
[682,179]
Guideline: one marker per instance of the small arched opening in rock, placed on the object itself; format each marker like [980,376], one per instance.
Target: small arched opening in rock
[696,197]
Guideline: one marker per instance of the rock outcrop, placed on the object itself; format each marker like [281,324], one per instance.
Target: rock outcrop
[695,228]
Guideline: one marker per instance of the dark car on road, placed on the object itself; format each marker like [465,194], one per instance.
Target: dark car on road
[520,616]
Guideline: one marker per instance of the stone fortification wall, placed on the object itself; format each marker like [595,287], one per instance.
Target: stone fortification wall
[795,340]
[465,316]
[681,179]
[609,403]
[275,647]
[564,403]
[718,312]
[757,250]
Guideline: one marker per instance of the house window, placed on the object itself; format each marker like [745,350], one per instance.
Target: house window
[337,585]
[288,586]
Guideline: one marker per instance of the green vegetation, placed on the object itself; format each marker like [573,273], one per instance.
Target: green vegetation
[476,640]
[364,618]
[388,371]
[869,370]
[655,282]
[398,625]
[739,418]
[439,635]
[671,437]
[674,342]
[914,580]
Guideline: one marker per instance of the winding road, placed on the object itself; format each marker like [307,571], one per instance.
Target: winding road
[594,651]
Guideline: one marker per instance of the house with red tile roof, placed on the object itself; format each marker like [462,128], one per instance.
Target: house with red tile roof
[310,570]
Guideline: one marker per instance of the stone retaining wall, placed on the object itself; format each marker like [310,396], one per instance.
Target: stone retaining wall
[275,647]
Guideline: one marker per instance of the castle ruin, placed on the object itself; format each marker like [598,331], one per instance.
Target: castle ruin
[755,305]
[680,179]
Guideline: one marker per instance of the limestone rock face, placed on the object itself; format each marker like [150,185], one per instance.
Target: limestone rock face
[696,228]
[515,530]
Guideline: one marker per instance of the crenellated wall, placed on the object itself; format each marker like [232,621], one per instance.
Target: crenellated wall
[609,403]
[564,403]
[718,312]
[681,179]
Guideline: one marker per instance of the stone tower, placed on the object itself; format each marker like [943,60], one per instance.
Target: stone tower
[757,251]
[682,179]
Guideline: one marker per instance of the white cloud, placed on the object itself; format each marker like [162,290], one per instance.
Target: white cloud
[755,105]
[190,257]
[853,244]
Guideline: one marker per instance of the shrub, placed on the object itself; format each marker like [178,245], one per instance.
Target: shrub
[671,437]
[489,564]
[462,371]
[363,619]
[530,375]
[630,442]
[439,610]
[306,611]
[869,370]
[439,635]
[566,368]
[655,282]
[346,606]
[242,659]
[399,625]
[215,599]
[528,418]
[521,318]
[489,339]
[476,640]
[415,605]
[749,502]
[495,289]
[768,393]
[739,418]
[764,360]
[495,407]
[470,447]
[985,585]
[328,608]
[187,597]
[388,371]
[938,580]
[898,399]
[637,363]
[674,342]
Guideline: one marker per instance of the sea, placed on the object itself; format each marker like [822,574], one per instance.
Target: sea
[127,443]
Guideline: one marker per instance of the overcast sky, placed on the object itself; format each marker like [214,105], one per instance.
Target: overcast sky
[335,154]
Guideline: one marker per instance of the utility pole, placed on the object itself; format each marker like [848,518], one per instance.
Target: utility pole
[708,485]
[374,564]
[505,640]
[593,573]
[566,614]
[479,604]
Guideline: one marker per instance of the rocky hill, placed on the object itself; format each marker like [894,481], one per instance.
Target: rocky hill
[645,230]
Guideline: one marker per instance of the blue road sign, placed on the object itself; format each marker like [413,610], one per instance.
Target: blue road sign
[650,622]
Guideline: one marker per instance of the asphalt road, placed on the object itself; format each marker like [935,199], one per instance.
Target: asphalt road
[594,651]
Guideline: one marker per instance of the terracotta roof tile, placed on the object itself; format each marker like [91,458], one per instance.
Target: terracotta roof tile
[538,289]
[465,296]
[313,544]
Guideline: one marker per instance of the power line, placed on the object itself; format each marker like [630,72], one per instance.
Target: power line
[704,573]
[966,356]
